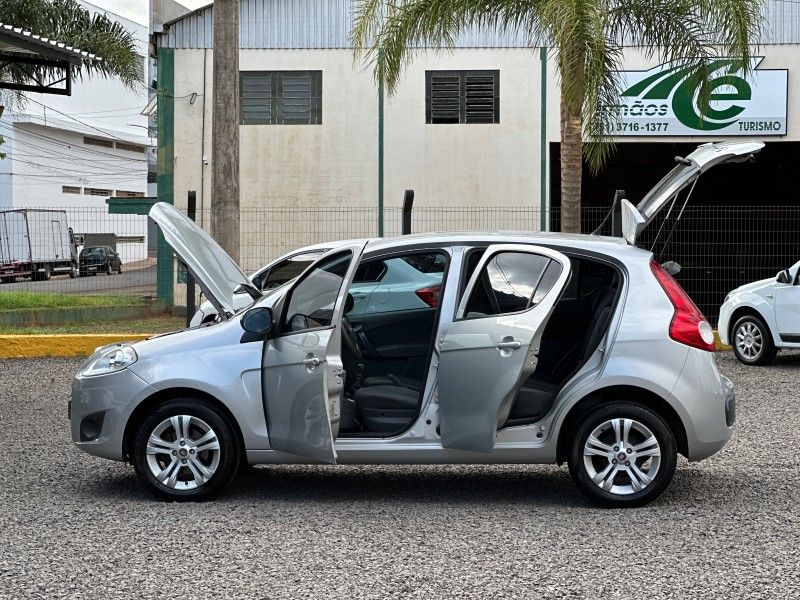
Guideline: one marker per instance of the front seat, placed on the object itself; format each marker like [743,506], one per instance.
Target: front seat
[387,408]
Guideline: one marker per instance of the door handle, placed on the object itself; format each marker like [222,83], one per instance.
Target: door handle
[509,345]
[358,295]
[311,362]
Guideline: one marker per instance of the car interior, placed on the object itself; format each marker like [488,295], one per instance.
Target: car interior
[386,354]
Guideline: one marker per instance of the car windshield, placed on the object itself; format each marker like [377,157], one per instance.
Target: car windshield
[92,252]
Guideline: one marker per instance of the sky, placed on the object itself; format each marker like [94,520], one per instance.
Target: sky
[136,10]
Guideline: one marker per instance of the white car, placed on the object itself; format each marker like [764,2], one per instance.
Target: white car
[762,317]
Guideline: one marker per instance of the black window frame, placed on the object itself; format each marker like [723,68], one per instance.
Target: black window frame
[277,115]
[463,113]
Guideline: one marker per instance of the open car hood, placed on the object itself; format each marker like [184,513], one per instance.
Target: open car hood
[212,268]
[636,218]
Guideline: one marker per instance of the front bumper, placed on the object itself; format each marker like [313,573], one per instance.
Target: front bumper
[100,408]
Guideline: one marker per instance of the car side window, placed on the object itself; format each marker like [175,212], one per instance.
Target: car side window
[511,282]
[285,271]
[310,304]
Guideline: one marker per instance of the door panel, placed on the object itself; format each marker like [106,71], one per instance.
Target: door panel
[303,377]
[787,309]
[487,354]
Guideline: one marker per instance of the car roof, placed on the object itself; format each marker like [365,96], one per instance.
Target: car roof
[614,246]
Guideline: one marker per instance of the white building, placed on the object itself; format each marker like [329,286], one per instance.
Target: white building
[73,152]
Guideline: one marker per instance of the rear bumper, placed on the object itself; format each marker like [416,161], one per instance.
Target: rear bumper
[709,401]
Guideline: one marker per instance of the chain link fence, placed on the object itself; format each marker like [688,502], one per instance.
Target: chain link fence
[718,248]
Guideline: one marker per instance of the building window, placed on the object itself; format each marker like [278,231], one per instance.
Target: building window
[128,194]
[281,97]
[70,189]
[97,191]
[462,97]
[91,141]
[130,147]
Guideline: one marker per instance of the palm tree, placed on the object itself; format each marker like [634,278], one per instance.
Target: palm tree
[587,38]
[69,22]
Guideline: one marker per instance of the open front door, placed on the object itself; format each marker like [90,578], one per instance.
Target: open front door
[303,378]
[492,346]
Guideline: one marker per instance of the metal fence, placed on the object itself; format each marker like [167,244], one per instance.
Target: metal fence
[719,248]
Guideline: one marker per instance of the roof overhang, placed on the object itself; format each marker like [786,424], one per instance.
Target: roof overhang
[46,62]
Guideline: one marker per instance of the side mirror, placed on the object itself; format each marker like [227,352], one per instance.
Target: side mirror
[257,321]
[783,277]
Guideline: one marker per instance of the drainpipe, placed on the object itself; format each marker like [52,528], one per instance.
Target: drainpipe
[543,142]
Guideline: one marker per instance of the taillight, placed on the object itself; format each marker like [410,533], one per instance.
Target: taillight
[430,295]
[688,325]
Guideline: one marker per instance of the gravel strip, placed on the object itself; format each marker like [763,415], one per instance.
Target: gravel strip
[76,526]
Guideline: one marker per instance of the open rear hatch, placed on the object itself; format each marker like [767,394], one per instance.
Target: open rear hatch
[635,219]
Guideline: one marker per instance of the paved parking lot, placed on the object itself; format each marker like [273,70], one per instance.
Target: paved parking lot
[73,525]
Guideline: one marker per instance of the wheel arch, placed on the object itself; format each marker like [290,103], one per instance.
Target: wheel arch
[160,397]
[627,393]
[749,310]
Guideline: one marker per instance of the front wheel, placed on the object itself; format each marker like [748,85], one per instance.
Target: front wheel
[623,455]
[752,341]
[186,450]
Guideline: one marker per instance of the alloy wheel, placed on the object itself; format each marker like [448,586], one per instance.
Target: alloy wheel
[749,340]
[183,452]
[622,456]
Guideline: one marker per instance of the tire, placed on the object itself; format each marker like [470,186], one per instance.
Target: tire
[73,272]
[109,269]
[48,273]
[621,487]
[119,269]
[747,349]
[185,481]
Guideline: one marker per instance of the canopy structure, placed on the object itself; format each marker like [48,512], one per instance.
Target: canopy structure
[45,61]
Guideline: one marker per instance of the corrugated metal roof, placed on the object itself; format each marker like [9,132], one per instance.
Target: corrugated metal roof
[11,34]
[327,24]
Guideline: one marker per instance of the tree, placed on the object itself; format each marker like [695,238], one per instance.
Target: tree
[68,22]
[586,36]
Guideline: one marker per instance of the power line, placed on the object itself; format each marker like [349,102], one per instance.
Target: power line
[78,120]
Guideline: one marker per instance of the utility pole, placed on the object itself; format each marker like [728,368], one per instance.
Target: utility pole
[225,128]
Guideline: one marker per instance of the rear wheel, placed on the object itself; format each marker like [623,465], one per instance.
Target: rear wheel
[752,342]
[186,450]
[109,269]
[623,455]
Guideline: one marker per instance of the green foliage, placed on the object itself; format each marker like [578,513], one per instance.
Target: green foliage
[586,36]
[68,22]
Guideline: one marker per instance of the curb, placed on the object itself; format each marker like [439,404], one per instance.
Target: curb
[77,344]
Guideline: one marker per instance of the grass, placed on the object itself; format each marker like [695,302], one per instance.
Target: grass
[154,324]
[28,300]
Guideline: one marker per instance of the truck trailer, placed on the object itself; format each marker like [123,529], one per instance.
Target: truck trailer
[37,244]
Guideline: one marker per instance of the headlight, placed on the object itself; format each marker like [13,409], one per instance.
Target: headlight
[110,360]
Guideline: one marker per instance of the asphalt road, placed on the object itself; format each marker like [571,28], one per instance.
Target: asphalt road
[140,281]
[76,526]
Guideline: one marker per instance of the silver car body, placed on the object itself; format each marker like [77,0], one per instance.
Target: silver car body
[777,303]
[636,353]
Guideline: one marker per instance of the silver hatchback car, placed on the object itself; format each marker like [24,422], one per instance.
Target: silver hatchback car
[533,348]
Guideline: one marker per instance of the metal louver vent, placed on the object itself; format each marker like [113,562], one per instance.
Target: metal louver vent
[462,97]
[281,97]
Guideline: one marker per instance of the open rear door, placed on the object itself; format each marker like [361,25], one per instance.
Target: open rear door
[303,375]
[492,346]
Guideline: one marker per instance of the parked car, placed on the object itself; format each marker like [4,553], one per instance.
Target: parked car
[760,318]
[380,286]
[99,259]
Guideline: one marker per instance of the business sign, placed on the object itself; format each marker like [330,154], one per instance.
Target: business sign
[664,101]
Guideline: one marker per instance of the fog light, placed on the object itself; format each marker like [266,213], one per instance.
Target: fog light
[91,427]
